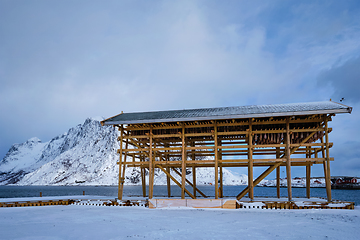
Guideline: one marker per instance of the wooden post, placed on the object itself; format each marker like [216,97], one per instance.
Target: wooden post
[151,167]
[183,165]
[122,179]
[143,178]
[328,177]
[278,174]
[193,168]
[250,163]
[308,173]
[288,159]
[120,160]
[216,162]
[221,193]
[168,170]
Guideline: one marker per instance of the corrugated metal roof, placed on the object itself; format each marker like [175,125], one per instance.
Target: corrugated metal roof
[229,113]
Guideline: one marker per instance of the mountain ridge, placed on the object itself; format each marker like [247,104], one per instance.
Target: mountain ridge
[85,154]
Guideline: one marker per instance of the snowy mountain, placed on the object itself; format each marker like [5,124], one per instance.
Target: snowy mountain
[86,154]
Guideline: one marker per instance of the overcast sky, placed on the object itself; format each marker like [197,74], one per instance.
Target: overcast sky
[64,61]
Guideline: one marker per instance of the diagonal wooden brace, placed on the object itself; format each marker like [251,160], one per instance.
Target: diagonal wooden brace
[190,183]
[175,181]
[258,180]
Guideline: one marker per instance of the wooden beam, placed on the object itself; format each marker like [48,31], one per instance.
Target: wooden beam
[151,167]
[216,167]
[288,159]
[183,166]
[278,174]
[120,161]
[328,177]
[251,163]
[308,175]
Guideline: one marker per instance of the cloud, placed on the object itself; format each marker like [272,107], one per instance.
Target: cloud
[344,80]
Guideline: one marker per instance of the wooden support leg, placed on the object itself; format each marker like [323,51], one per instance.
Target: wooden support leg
[121,129]
[151,167]
[328,175]
[123,170]
[183,166]
[250,163]
[308,174]
[168,182]
[216,155]
[278,174]
[288,159]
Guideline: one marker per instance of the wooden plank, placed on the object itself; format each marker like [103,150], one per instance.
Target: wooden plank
[288,159]
[251,163]
[216,167]
[183,166]
[151,167]
[120,161]
[328,174]
[278,174]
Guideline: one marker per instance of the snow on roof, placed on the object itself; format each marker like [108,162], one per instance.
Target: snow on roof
[275,110]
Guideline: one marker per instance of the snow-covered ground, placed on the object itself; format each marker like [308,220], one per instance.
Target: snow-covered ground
[91,222]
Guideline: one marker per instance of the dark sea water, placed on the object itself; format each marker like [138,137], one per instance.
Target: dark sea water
[111,191]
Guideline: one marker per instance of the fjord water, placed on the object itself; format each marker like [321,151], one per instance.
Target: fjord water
[161,191]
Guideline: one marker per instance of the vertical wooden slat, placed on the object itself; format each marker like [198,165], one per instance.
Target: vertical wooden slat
[151,167]
[143,179]
[308,173]
[193,156]
[328,177]
[168,170]
[216,162]
[221,193]
[278,174]
[250,163]
[123,169]
[288,159]
[120,160]
[183,165]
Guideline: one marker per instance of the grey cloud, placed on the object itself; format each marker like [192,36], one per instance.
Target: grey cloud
[344,80]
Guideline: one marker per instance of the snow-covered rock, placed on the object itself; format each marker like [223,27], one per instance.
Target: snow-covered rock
[86,154]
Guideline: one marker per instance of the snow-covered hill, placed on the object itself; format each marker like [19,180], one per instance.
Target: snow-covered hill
[86,154]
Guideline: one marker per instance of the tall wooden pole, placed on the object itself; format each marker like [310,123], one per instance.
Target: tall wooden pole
[251,162]
[168,170]
[151,167]
[216,162]
[278,174]
[328,177]
[308,173]
[221,194]
[143,179]
[122,178]
[193,168]
[288,159]
[121,129]
[183,165]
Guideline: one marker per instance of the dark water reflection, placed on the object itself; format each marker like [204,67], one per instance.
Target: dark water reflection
[111,191]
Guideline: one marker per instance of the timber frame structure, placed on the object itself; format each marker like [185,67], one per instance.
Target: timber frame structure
[250,136]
